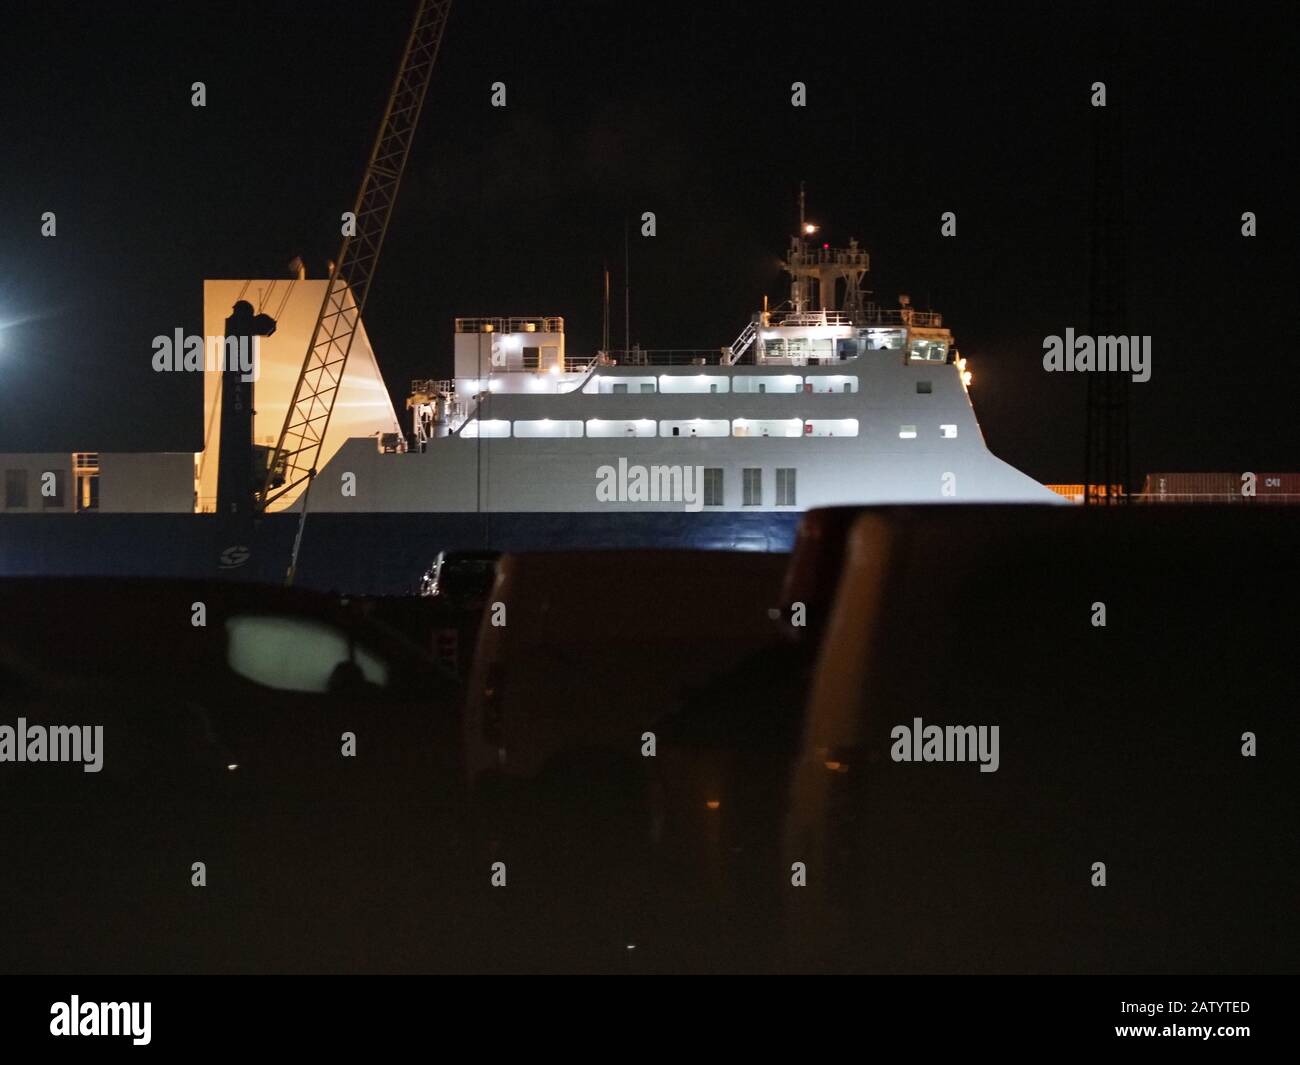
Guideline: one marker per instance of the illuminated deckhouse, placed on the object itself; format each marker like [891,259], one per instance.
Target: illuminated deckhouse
[825,399]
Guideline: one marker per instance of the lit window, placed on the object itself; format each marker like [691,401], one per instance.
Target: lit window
[831,427]
[907,432]
[780,383]
[488,429]
[683,384]
[929,350]
[949,431]
[791,427]
[604,427]
[696,427]
[547,428]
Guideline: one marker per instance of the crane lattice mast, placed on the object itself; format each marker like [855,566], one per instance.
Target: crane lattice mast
[303,435]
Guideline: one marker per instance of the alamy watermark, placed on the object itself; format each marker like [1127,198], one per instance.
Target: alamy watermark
[1085,354]
[53,743]
[651,484]
[195,353]
[75,1017]
[946,743]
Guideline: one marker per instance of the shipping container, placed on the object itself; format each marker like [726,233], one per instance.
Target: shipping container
[1192,487]
[1274,484]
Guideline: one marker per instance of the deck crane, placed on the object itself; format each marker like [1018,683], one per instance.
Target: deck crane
[303,435]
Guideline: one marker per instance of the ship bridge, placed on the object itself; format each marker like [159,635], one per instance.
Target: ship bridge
[830,316]
[794,336]
[828,319]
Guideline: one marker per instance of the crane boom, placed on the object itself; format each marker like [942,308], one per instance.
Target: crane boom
[303,434]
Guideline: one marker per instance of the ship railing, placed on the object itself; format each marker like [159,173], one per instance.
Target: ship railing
[429,386]
[810,318]
[536,324]
[586,368]
[868,314]
[831,257]
[900,316]
[668,357]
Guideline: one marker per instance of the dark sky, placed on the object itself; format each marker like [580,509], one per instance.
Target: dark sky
[622,107]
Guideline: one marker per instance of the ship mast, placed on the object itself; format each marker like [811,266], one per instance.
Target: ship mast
[824,280]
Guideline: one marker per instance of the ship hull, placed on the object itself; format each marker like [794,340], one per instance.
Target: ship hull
[359,554]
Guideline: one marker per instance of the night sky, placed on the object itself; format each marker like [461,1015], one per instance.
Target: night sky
[617,108]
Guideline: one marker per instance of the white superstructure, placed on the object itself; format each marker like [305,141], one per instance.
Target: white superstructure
[826,399]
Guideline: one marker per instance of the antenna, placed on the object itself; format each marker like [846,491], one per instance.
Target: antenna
[604,341]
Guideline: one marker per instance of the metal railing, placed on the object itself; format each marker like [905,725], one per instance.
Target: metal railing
[667,357]
[900,316]
[810,318]
[552,324]
[741,345]
[431,387]
[831,257]
[870,315]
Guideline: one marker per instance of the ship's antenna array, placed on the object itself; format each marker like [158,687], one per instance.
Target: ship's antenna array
[627,291]
[604,333]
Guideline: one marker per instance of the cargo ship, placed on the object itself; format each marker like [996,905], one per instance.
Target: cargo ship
[825,399]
